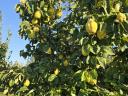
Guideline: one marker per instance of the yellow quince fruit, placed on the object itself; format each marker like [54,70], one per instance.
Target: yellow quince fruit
[93,82]
[37,14]
[59,12]
[51,11]
[66,63]
[26,83]
[36,29]
[49,51]
[121,17]
[56,71]
[91,26]
[34,21]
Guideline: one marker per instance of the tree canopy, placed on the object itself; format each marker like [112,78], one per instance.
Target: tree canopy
[80,48]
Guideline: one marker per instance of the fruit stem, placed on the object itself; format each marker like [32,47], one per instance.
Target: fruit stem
[105,10]
[105,7]
[101,24]
[123,27]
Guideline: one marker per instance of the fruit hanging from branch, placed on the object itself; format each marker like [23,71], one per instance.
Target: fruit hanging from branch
[66,63]
[56,71]
[36,29]
[26,83]
[91,26]
[101,33]
[34,21]
[121,17]
[37,14]
[51,11]
[59,12]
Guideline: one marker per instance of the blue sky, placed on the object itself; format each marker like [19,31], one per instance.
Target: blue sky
[11,20]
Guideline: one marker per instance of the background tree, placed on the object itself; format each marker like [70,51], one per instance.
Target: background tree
[3,48]
[12,79]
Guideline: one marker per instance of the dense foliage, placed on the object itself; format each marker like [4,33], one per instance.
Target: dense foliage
[80,48]
[12,78]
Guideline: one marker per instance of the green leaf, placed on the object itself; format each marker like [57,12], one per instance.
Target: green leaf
[87,60]
[77,72]
[102,61]
[108,50]
[94,74]
[22,89]
[41,4]
[89,76]
[51,77]
[81,41]
[21,12]
[93,60]
[73,5]
[5,91]
[77,75]
[17,8]
[90,48]
[16,80]
[25,24]
[20,77]
[31,91]
[85,76]
[4,76]
[93,42]
[73,91]
[28,8]
[45,8]
[96,49]
[123,48]
[11,83]
[72,30]
[1,74]
[85,51]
